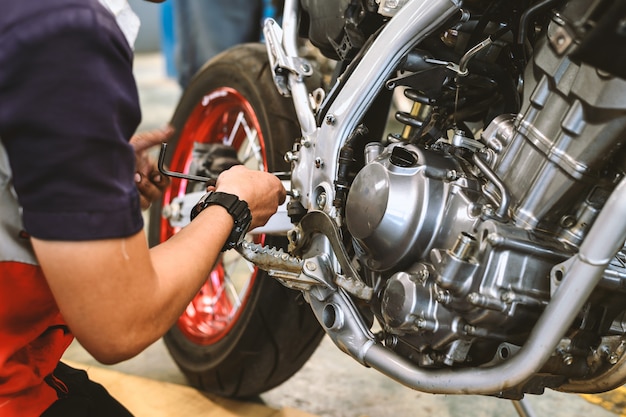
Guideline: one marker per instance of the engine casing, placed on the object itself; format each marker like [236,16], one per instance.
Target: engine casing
[454,273]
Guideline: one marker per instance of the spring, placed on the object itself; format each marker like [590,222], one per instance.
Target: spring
[415,119]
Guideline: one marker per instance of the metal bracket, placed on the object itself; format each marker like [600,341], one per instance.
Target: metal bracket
[320,222]
[449,65]
[281,63]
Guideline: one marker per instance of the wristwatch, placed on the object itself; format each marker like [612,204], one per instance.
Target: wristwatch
[237,208]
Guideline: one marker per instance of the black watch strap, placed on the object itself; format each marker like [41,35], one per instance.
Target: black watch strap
[237,208]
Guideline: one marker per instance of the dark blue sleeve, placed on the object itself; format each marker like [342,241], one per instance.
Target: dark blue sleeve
[68,106]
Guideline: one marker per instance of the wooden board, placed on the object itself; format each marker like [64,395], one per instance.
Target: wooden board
[149,398]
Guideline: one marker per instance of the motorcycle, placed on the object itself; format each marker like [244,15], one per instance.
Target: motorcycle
[477,248]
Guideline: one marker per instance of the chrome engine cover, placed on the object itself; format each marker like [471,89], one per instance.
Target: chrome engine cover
[399,202]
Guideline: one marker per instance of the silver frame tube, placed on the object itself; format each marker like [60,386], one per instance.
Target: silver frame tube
[419,18]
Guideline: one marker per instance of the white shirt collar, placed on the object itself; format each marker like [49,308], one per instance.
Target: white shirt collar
[126,18]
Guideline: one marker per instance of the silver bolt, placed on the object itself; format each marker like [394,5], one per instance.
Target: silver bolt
[488,210]
[319,162]
[311,266]
[469,329]
[321,201]
[424,275]
[442,297]
[508,296]
[613,358]
[330,119]
[291,157]
[568,359]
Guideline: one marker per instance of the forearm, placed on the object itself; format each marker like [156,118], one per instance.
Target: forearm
[121,297]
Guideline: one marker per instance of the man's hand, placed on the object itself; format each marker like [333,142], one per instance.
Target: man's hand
[261,190]
[149,180]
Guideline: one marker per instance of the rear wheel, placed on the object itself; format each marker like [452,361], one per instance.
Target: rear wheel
[243,333]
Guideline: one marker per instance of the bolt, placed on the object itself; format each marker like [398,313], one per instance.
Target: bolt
[442,297]
[424,275]
[420,276]
[488,210]
[469,329]
[321,201]
[291,157]
[330,119]
[452,175]
[568,221]
[568,359]
[306,142]
[508,296]
[311,266]
[293,236]
[319,162]
[613,358]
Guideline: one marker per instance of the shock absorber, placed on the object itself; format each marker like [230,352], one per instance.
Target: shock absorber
[418,116]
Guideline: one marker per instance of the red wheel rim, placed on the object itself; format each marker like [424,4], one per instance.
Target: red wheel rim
[221,116]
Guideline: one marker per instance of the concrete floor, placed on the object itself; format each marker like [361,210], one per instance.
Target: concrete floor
[330,384]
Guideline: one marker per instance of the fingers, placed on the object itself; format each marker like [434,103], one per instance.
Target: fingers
[144,140]
[262,191]
[150,187]
[282,194]
[148,179]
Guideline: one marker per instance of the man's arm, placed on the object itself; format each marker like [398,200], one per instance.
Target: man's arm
[118,296]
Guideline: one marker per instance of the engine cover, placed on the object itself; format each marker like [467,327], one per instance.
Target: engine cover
[398,202]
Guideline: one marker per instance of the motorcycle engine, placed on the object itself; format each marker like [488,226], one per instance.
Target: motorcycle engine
[463,233]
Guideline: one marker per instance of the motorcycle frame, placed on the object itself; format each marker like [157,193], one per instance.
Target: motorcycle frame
[314,173]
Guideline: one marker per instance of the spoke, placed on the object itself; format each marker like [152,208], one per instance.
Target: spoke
[236,297]
[253,152]
[233,133]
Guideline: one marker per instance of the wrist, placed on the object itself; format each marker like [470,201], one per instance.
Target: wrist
[238,210]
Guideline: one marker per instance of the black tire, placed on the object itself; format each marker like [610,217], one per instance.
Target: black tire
[275,331]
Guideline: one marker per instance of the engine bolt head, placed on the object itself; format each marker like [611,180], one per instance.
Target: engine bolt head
[306,142]
[442,297]
[291,157]
[508,296]
[613,358]
[568,359]
[321,201]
